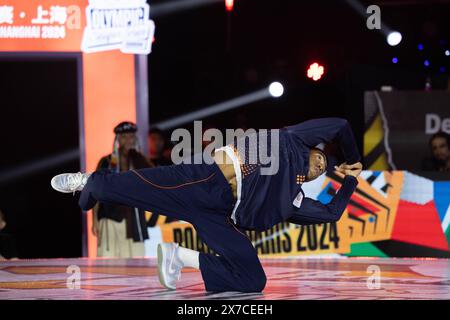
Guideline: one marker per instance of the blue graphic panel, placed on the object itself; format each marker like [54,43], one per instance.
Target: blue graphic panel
[324,197]
[441,197]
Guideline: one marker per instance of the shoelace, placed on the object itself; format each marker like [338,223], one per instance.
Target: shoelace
[74,180]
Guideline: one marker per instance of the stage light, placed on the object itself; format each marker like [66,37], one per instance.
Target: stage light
[276,89]
[420,46]
[394,60]
[394,38]
[229,4]
[447,53]
[426,63]
[315,71]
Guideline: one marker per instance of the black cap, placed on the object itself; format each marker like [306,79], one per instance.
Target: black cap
[125,127]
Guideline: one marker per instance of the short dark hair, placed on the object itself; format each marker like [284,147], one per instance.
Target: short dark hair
[324,155]
[440,134]
[2,216]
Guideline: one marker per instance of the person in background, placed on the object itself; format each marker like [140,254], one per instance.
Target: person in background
[157,144]
[121,230]
[440,153]
[7,242]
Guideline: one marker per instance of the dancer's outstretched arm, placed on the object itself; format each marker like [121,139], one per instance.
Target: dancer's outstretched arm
[324,130]
[314,212]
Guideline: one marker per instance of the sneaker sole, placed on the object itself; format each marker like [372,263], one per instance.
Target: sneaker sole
[161,270]
[53,184]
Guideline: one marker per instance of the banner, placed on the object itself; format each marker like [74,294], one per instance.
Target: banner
[391,214]
[76,25]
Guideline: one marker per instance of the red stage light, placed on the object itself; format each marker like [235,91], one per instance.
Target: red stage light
[315,71]
[229,4]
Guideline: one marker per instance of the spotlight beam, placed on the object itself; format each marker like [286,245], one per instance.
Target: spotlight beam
[214,109]
[38,166]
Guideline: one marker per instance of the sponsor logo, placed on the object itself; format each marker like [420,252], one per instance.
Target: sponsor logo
[118,24]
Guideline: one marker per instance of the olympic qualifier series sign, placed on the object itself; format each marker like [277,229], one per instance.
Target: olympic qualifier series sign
[76,25]
[118,24]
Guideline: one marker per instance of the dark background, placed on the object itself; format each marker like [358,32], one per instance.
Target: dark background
[39,118]
[193,65]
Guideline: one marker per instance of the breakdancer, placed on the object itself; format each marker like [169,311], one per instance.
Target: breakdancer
[225,198]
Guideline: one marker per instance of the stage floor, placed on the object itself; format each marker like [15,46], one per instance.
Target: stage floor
[298,278]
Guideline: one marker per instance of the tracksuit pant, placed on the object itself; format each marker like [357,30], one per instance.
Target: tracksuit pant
[195,193]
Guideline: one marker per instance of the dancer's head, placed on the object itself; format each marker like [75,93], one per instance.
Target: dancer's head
[318,162]
[126,136]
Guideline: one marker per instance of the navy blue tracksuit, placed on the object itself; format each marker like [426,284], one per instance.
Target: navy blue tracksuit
[200,195]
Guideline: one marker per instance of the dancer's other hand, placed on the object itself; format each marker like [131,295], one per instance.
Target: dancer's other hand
[350,169]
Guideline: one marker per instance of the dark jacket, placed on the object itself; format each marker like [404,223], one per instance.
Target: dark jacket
[8,248]
[267,200]
[431,164]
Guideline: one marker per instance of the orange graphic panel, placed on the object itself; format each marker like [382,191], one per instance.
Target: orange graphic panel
[44,25]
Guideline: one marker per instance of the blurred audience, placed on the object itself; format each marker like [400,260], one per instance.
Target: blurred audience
[8,248]
[120,230]
[439,145]
[158,147]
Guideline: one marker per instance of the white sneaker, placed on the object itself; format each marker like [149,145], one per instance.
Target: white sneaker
[69,182]
[169,265]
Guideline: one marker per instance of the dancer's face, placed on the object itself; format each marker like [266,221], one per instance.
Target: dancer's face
[127,141]
[317,164]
